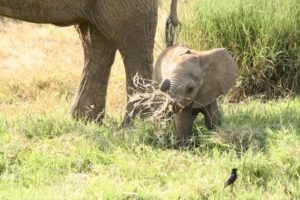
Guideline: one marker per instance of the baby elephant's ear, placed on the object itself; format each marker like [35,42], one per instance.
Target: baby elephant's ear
[220,76]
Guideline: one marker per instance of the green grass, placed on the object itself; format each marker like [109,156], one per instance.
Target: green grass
[48,155]
[263,36]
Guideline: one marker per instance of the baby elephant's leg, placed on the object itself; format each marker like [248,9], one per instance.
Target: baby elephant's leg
[184,123]
[212,115]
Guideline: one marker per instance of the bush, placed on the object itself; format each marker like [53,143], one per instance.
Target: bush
[263,36]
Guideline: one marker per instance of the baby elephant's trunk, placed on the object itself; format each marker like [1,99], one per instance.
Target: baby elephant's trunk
[165,85]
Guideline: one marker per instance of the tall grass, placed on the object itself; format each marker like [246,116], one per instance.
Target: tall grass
[263,36]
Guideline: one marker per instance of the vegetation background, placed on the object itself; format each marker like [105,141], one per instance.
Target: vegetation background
[44,154]
[263,36]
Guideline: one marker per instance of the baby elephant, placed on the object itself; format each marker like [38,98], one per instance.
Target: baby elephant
[193,80]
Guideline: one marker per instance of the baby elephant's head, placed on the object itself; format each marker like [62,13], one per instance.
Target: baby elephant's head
[197,77]
[184,78]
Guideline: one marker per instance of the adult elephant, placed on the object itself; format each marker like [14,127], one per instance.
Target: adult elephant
[105,26]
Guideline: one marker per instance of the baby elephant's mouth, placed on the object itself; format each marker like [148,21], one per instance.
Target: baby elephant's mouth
[177,107]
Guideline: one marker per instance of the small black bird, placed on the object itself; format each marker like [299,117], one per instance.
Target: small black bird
[232,178]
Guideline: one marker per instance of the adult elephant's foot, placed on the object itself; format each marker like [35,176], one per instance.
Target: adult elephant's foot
[129,115]
[133,109]
[99,54]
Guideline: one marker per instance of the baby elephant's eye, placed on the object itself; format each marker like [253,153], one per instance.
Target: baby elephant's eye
[189,89]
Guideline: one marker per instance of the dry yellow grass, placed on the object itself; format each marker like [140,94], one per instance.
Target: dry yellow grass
[44,57]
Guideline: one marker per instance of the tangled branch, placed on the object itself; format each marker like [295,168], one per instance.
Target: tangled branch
[148,101]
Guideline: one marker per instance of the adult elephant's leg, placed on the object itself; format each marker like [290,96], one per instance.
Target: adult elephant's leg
[212,115]
[99,56]
[138,60]
[137,54]
[131,25]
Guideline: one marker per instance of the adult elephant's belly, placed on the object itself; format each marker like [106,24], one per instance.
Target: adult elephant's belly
[70,22]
